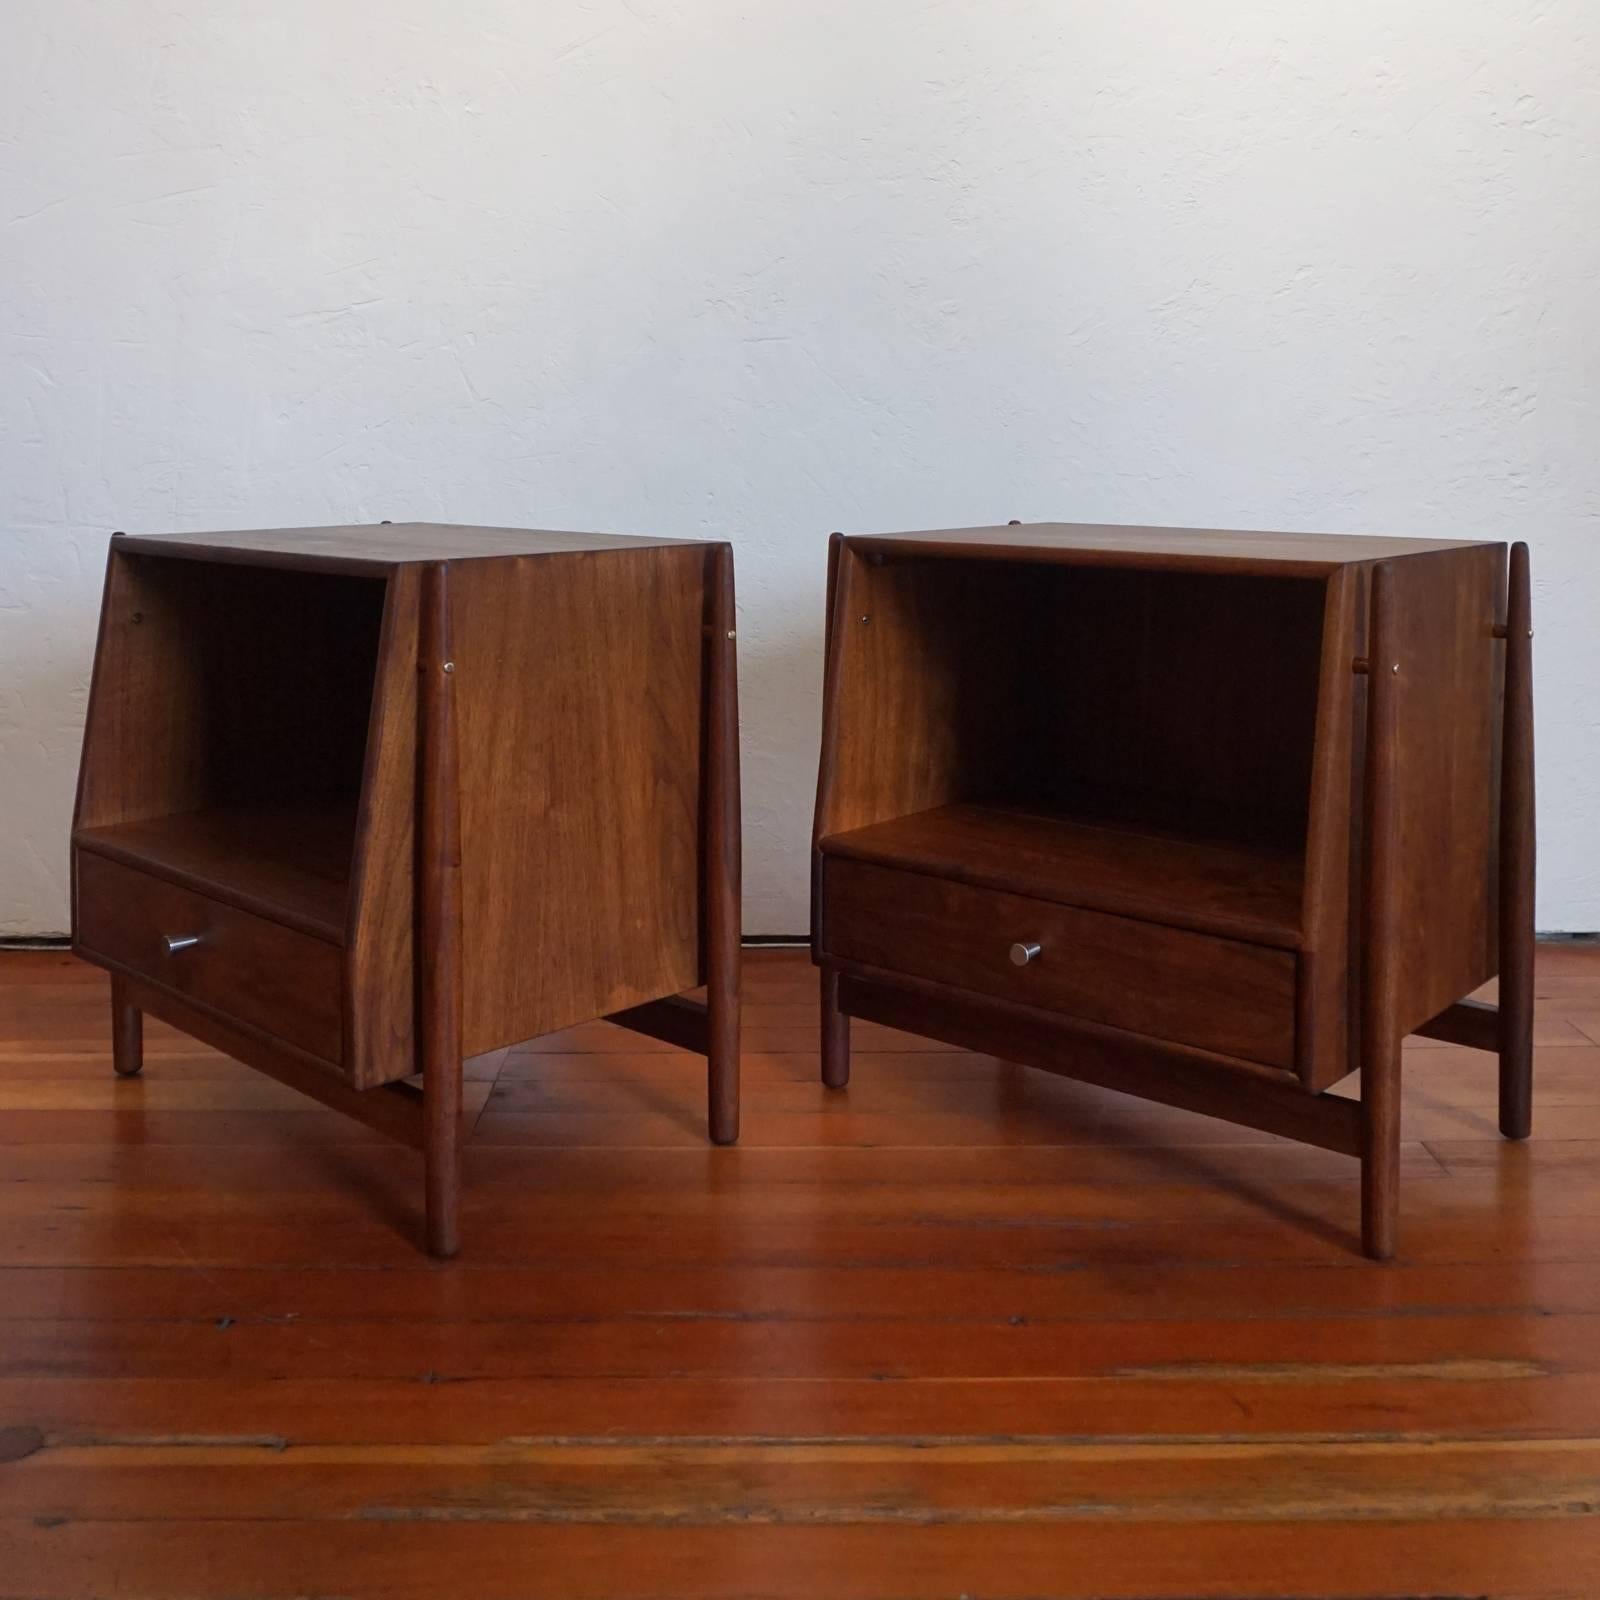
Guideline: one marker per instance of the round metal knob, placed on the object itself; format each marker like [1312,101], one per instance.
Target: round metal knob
[1022,954]
[185,941]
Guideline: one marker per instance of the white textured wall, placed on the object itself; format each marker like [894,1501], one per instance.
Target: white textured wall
[769,268]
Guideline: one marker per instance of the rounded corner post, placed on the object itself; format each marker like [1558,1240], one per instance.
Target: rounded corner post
[722,887]
[1517,856]
[438,920]
[1380,948]
[127,1031]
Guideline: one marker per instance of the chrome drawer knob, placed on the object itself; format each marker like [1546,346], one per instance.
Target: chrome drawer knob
[185,941]
[1022,954]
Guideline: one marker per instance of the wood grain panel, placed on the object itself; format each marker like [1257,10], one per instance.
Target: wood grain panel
[579,691]
[1212,886]
[287,983]
[381,976]
[1447,710]
[1219,994]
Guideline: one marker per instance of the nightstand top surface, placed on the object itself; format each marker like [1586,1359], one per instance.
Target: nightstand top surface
[1192,549]
[382,545]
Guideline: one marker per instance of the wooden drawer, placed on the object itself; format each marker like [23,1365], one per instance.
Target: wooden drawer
[1188,988]
[244,967]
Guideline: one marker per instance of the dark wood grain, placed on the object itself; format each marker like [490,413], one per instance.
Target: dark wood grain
[581,703]
[1223,995]
[1324,1037]
[439,912]
[722,869]
[835,1043]
[287,983]
[127,1031]
[1193,1080]
[1446,783]
[288,863]
[221,687]
[1474,1023]
[1382,931]
[394,1110]
[1127,868]
[380,1014]
[1517,855]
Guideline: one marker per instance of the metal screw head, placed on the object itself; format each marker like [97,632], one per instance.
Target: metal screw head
[866,619]
[732,634]
[449,666]
[1395,667]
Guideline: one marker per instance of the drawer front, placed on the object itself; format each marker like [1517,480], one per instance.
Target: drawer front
[1188,988]
[286,983]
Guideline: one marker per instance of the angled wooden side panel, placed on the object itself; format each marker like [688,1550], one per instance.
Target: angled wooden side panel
[579,687]
[909,723]
[143,749]
[380,985]
[1447,709]
[822,820]
[1322,1030]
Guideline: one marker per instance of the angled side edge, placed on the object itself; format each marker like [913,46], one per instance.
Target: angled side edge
[380,975]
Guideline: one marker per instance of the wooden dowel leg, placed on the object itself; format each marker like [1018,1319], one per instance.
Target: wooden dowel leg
[835,1035]
[127,1031]
[1517,859]
[438,931]
[722,887]
[1380,1151]
[441,1104]
[1380,1025]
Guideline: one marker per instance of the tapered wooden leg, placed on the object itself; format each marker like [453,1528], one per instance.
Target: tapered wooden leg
[1380,1151]
[1380,1024]
[441,1107]
[127,1031]
[1517,859]
[835,1035]
[722,888]
[438,923]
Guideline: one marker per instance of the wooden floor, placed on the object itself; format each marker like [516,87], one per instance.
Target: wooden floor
[961,1330]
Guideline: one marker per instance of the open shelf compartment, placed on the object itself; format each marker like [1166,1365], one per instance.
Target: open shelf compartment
[1134,742]
[228,750]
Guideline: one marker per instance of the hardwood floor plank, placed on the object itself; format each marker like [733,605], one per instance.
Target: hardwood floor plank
[401,1557]
[962,1328]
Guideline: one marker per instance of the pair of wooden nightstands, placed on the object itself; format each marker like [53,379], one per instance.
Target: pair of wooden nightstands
[1213,818]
